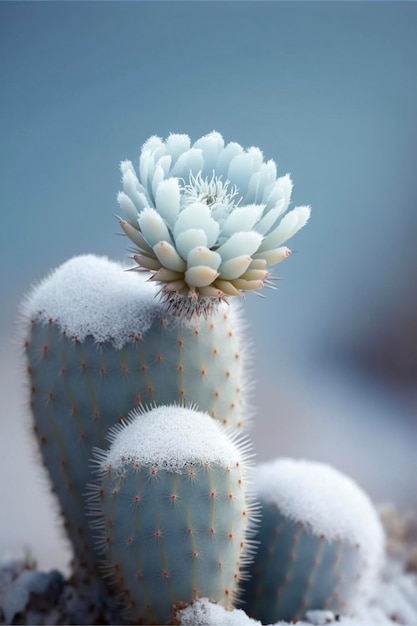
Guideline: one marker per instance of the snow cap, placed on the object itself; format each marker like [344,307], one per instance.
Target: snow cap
[91,295]
[327,501]
[170,437]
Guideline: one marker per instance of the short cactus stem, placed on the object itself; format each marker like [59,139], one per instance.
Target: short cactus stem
[320,543]
[174,511]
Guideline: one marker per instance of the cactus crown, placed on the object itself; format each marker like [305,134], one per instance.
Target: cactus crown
[206,219]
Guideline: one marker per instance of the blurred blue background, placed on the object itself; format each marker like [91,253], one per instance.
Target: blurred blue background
[326,89]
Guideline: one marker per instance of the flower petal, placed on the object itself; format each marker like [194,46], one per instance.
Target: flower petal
[200,276]
[203,256]
[247,285]
[278,200]
[242,218]
[157,178]
[189,239]
[169,257]
[135,235]
[255,275]
[288,226]
[167,198]
[133,189]
[210,145]
[156,148]
[149,263]
[146,170]
[153,227]
[190,162]
[272,257]
[128,208]
[197,215]
[152,144]
[223,161]
[260,180]
[242,167]
[165,163]
[239,244]
[227,287]
[233,268]
[176,145]
[257,264]
[165,275]
[280,191]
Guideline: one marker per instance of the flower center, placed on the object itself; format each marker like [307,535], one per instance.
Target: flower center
[211,191]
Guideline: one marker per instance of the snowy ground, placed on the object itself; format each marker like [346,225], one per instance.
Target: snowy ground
[28,596]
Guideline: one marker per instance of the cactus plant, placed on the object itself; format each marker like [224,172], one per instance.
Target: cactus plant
[98,342]
[320,542]
[175,514]
[206,219]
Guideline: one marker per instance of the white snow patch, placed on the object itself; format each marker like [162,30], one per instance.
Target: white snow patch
[171,437]
[400,610]
[328,501]
[91,295]
[206,613]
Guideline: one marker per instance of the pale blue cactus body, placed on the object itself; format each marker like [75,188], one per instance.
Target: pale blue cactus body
[84,382]
[297,570]
[320,543]
[174,516]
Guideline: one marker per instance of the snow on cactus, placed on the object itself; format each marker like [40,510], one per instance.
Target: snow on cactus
[98,342]
[321,543]
[174,511]
[207,219]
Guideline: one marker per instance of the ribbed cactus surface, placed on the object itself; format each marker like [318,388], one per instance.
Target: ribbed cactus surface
[98,342]
[173,512]
[320,542]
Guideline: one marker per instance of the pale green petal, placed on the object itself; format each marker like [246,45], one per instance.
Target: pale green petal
[210,145]
[242,218]
[153,227]
[188,162]
[158,177]
[131,187]
[197,215]
[280,191]
[189,239]
[203,256]
[200,276]
[169,257]
[233,268]
[241,169]
[288,226]
[239,244]
[177,144]
[167,199]
[230,151]
[128,208]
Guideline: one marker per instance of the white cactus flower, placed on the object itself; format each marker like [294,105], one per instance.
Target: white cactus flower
[206,219]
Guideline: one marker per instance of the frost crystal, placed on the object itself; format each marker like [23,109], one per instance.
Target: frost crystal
[206,219]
